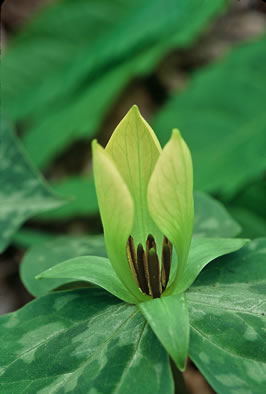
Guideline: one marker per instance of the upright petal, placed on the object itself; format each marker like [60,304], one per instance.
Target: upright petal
[170,198]
[117,213]
[135,150]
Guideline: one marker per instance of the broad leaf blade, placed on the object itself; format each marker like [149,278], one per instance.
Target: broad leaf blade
[252,225]
[226,121]
[168,317]
[226,373]
[27,238]
[81,195]
[248,207]
[212,219]
[125,41]
[45,255]
[23,193]
[92,269]
[228,315]
[81,341]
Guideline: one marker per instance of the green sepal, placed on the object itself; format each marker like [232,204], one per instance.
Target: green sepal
[93,269]
[201,253]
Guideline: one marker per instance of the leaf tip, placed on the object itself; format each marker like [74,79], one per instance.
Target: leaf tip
[176,134]
[135,109]
[94,145]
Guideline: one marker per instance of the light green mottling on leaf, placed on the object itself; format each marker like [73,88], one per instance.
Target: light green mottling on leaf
[23,193]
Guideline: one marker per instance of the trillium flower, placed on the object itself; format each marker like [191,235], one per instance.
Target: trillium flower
[145,196]
[146,205]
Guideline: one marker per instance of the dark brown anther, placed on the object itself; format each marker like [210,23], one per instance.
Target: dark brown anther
[141,264]
[166,262]
[150,243]
[145,266]
[131,257]
[154,277]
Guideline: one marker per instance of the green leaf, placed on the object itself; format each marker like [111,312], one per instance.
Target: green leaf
[212,219]
[23,193]
[228,315]
[252,225]
[226,373]
[203,251]
[93,269]
[127,39]
[45,255]
[169,319]
[220,120]
[81,341]
[252,197]
[248,207]
[26,237]
[81,195]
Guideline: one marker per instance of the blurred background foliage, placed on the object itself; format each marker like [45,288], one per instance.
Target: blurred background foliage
[70,70]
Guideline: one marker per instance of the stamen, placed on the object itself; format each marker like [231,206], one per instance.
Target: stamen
[154,277]
[166,262]
[131,257]
[141,270]
[145,265]
[150,243]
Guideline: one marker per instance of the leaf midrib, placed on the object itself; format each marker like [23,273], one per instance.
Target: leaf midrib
[226,309]
[82,364]
[224,349]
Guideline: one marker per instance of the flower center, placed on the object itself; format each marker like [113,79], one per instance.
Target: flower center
[145,266]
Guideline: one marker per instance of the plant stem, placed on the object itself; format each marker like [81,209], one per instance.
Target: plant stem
[180,386]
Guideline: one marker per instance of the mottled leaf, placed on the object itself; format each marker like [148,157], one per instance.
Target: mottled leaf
[228,318]
[23,193]
[45,255]
[81,341]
